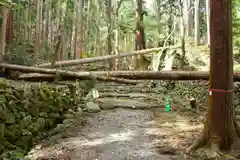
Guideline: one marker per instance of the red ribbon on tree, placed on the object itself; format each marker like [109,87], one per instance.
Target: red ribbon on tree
[219,90]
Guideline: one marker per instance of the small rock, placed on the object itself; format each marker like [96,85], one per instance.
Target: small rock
[68,115]
[79,109]
[238,117]
[34,127]
[38,147]
[68,121]
[41,122]
[59,128]
[26,121]
[70,110]
[93,107]
[79,113]
[43,114]
[54,115]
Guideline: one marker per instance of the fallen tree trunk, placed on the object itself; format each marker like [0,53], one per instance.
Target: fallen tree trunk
[101,58]
[51,78]
[62,74]
[137,75]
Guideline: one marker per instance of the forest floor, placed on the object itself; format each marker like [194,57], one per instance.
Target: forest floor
[136,128]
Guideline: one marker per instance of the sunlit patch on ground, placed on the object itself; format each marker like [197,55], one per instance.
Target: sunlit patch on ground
[80,142]
[123,133]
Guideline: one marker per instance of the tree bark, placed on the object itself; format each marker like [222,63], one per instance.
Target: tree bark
[72,76]
[103,58]
[108,10]
[4,12]
[38,30]
[197,28]
[219,129]
[208,21]
[140,35]
[221,114]
[9,36]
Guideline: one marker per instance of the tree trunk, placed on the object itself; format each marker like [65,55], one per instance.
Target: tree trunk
[26,19]
[38,30]
[108,8]
[87,24]
[208,21]
[183,32]
[4,13]
[78,26]
[138,75]
[9,35]
[185,14]
[73,76]
[197,28]
[48,25]
[219,129]
[41,22]
[103,58]
[190,19]
[81,35]
[220,119]
[18,19]
[116,65]
[140,35]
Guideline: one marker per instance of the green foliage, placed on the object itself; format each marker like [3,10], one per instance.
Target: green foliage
[22,54]
[236,29]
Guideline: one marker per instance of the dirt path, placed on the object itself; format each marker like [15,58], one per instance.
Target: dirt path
[133,132]
[122,134]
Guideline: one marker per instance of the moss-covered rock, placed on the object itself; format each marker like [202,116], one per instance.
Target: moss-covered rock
[13,132]
[26,121]
[9,119]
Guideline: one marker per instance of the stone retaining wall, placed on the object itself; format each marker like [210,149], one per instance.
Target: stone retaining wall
[28,111]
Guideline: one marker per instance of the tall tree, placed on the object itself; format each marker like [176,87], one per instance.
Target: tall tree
[140,35]
[4,12]
[208,21]
[38,29]
[219,129]
[79,29]
[197,27]
[108,10]
[9,36]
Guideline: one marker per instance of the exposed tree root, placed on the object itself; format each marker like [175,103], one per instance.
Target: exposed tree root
[214,151]
[200,142]
[236,126]
[205,139]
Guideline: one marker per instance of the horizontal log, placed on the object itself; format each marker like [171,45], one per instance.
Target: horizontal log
[152,75]
[137,75]
[103,58]
[64,75]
